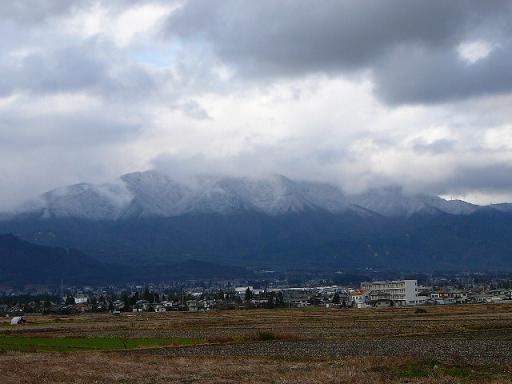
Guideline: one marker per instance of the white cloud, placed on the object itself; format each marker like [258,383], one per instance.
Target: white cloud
[98,89]
[473,51]
[120,26]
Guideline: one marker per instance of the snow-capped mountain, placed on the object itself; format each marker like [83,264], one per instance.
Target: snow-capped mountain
[266,222]
[272,195]
[86,201]
[392,201]
[154,194]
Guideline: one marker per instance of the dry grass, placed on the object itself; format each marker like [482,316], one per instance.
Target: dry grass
[81,368]
[118,368]
[303,323]
[237,333]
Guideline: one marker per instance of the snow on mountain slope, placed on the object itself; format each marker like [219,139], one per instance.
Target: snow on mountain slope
[271,195]
[88,201]
[154,194]
[392,201]
[150,194]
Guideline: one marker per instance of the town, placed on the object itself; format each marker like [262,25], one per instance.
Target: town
[197,296]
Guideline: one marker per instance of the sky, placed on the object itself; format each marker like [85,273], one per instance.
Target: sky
[360,93]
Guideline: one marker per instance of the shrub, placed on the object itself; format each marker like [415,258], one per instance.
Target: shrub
[220,339]
[265,336]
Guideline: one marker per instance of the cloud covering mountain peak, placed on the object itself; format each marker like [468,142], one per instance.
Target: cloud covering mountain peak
[156,194]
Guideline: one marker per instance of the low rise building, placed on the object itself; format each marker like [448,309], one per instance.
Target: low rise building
[359,298]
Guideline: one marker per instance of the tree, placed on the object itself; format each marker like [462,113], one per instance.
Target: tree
[125,299]
[280,299]
[146,295]
[271,296]
[249,294]
[336,298]
[134,298]
[69,300]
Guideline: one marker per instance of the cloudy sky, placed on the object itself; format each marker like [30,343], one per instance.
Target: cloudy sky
[362,93]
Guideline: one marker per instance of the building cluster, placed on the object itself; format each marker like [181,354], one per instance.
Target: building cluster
[390,293]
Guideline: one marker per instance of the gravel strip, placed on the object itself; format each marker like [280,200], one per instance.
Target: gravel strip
[450,350]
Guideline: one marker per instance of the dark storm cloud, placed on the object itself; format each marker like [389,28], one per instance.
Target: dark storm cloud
[284,38]
[483,178]
[419,75]
[33,11]
[71,68]
[65,69]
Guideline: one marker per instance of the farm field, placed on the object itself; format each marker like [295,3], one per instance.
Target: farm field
[445,344]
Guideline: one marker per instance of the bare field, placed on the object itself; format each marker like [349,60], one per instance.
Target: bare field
[447,344]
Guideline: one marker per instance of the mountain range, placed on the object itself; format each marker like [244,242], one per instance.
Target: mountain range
[154,194]
[267,222]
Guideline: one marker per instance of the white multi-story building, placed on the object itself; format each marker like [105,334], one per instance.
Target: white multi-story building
[400,292]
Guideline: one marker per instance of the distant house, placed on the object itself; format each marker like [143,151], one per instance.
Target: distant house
[118,305]
[200,305]
[241,291]
[18,320]
[143,305]
[193,305]
[81,299]
[299,303]
[359,298]
[259,302]
[383,302]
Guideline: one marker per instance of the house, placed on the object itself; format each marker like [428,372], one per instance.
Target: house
[81,299]
[423,299]
[193,305]
[144,305]
[378,303]
[298,297]
[299,303]
[358,298]
[259,302]
[118,305]
[168,305]
[241,291]
[16,311]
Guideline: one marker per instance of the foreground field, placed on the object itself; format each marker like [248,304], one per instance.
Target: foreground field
[456,344]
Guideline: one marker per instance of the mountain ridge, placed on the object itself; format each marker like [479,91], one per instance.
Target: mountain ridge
[155,194]
[147,218]
[23,262]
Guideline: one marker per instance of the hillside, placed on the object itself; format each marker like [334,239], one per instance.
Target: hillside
[23,263]
[313,240]
[147,218]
